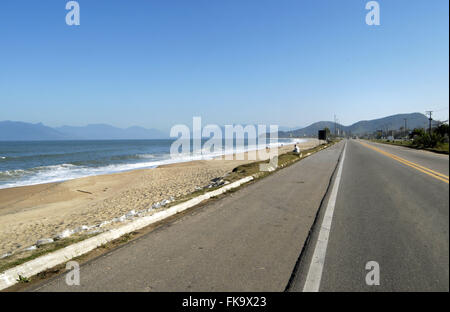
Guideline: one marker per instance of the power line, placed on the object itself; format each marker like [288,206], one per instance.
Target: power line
[440,109]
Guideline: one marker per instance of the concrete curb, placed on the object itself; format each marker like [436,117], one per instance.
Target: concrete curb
[40,264]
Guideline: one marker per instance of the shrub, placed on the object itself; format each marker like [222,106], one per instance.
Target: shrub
[427,140]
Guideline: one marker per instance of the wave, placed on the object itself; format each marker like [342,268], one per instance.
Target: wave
[138,156]
[146,156]
[69,171]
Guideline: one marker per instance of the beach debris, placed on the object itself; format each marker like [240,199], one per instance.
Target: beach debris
[5,255]
[86,192]
[130,214]
[216,182]
[82,228]
[103,223]
[44,241]
[159,204]
[95,232]
[64,234]
[33,247]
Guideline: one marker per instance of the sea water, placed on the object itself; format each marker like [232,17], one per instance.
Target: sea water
[35,162]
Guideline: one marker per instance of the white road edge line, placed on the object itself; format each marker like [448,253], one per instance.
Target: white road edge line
[312,283]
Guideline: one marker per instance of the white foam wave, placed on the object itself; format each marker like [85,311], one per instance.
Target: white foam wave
[146,156]
[63,172]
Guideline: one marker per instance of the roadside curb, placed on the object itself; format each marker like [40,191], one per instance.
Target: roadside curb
[40,264]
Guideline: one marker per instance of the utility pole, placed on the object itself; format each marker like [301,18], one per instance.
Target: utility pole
[406,130]
[339,127]
[429,119]
[335,126]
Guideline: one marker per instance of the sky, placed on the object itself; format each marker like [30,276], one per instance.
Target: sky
[157,63]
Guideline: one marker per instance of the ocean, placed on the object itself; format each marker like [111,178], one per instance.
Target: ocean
[35,162]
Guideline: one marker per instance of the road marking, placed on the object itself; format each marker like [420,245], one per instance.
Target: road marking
[314,276]
[409,162]
[428,171]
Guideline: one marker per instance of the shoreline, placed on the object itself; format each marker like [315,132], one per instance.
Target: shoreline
[34,212]
[127,167]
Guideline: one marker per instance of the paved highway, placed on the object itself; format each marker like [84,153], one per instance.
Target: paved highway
[386,207]
[389,209]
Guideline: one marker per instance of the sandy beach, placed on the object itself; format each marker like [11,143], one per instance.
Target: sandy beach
[30,213]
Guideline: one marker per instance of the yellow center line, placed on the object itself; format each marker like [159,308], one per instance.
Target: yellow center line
[420,168]
[417,165]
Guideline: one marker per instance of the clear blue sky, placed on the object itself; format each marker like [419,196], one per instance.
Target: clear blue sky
[155,63]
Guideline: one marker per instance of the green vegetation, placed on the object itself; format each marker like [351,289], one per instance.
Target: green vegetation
[436,141]
[441,148]
[23,279]
[284,160]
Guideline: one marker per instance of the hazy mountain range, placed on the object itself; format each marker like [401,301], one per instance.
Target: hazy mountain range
[21,131]
[394,122]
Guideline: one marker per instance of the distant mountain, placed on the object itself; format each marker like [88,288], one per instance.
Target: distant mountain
[22,131]
[107,132]
[311,130]
[19,131]
[236,127]
[394,122]
[286,129]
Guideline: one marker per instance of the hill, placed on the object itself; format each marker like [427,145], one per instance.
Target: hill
[107,132]
[19,131]
[22,131]
[394,122]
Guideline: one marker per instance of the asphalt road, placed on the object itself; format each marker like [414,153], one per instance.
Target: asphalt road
[391,206]
[434,161]
[249,240]
[388,211]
